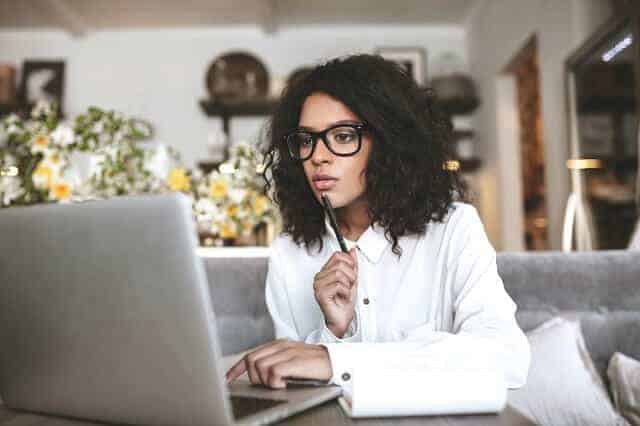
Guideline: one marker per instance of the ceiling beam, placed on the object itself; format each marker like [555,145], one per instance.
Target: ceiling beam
[71,20]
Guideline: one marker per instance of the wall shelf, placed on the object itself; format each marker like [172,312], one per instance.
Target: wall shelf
[229,108]
[459,106]
[469,165]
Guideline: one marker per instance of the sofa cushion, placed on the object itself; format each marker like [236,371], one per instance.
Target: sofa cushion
[624,376]
[563,386]
[598,287]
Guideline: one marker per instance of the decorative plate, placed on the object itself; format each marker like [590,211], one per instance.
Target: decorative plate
[237,75]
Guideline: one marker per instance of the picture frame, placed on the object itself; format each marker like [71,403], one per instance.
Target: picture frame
[412,59]
[42,80]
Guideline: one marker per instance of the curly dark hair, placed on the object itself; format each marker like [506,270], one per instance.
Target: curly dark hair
[406,184]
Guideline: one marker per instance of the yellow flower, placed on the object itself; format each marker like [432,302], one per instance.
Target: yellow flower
[54,159]
[228,230]
[259,205]
[218,188]
[179,180]
[42,176]
[40,144]
[232,211]
[61,191]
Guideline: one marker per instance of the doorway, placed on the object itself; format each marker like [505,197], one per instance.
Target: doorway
[525,71]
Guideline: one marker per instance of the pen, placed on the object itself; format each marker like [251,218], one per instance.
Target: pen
[333,222]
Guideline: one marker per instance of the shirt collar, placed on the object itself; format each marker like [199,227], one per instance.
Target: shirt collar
[371,243]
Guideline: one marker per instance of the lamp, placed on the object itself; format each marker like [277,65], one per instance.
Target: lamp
[577,215]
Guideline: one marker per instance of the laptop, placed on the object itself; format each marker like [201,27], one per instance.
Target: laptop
[105,314]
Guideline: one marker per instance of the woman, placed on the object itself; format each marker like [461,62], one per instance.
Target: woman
[419,284]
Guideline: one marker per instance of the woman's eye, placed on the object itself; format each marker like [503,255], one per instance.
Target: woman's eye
[344,137]
[305,141]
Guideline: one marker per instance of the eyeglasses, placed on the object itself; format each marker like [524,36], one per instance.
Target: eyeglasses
[343,140]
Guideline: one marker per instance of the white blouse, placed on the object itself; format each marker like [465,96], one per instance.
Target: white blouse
[442,303]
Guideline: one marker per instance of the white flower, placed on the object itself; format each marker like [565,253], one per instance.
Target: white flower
[159,163]
[98,128]
[63,135]
[85,164]
[12,119]
[10,189]
[40,144]
[118,136]
[236,195]
[42,108]
[13,129]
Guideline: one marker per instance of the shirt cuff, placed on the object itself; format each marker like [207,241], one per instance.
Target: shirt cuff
[341,364]
[352,334]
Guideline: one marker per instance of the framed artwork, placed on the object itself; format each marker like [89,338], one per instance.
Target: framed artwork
[42,80]
[412,59]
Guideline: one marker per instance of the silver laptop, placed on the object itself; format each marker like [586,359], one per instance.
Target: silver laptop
[105,314]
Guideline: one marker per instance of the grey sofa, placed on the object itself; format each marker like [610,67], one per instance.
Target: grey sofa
[601,288]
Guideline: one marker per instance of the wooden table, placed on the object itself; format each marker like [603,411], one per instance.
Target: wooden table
[329,413]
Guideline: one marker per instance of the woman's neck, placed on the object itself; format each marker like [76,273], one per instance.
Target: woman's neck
[353,219]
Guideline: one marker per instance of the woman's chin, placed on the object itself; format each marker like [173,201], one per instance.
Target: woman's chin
[333,197]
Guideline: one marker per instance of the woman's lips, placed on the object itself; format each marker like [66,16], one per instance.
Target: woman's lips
[324,184]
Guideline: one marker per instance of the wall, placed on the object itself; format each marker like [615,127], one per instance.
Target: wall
[159,74]
[496,32]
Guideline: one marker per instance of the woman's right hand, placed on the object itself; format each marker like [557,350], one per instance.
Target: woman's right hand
[335,290]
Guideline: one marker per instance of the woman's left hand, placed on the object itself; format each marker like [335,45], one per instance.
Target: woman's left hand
[273,362]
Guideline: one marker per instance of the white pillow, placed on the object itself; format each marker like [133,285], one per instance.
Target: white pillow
[624,378]
[563,387]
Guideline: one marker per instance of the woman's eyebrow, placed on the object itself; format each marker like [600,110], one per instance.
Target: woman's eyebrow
[335,123]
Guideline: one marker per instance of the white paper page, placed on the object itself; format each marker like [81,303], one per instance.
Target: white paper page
[427,392]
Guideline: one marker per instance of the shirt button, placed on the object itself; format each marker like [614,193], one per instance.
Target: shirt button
[346,376]
[366,301]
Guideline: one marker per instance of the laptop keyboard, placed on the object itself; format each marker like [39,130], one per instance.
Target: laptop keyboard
[243,406]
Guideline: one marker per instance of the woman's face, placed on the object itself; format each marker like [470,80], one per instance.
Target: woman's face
[341,178]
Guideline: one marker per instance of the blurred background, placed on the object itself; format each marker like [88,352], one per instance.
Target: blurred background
[542,95]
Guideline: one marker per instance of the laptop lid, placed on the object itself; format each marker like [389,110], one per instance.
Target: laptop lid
[105,313]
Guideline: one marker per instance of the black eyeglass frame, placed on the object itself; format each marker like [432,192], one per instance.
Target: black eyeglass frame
[358,127]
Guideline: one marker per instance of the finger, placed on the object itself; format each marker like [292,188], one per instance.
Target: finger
[236,371]
[338,256]
[254,357]
[263,365]
[343,294]
[336,277]
[249,358]
[338,292]
[341,266]
[295,367]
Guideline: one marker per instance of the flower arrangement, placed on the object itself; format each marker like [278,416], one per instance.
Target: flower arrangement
[96,156]
[102,154]
[231,201]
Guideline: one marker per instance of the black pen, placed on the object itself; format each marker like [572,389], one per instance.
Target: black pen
[334,224]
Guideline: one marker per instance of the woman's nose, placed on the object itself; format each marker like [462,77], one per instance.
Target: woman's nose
[321,154]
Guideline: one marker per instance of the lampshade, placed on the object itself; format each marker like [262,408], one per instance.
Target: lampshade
[584,163]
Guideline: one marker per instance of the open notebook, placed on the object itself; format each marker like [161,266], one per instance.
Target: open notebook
[427,392]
